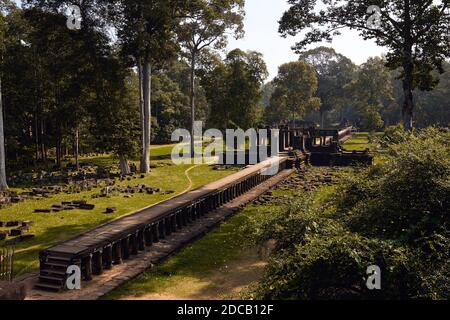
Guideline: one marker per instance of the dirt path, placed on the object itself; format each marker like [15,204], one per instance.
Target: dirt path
[191,183]
[228,282]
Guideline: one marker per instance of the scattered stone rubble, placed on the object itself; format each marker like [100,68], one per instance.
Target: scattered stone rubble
[18,231]
[307,180]
[66,206]
[127,190]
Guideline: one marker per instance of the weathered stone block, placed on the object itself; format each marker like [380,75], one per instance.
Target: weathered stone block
[15,232]
[111,210]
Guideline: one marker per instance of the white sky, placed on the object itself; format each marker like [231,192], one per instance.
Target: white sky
[261,34]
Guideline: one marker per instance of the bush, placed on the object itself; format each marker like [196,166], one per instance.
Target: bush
[408,196]
[335,268]
[395,215]
[299,222]
[392,135]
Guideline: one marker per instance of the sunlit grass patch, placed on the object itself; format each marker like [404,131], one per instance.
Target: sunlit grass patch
[52,228]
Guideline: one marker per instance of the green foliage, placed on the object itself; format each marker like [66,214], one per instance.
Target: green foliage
[233,90]
[394,215]
[333,267]
[392,135]
[409,194]
[433,107]
[414,32]
[371,120]
[371,93]
[334,71]
[295,90]
[209,23]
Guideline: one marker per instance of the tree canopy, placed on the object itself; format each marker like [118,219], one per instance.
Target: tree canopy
[334,71]
[295,92]
[415,32]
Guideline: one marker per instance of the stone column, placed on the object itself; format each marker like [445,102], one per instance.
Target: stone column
[133,244]
[98,263]
[88,268]
[162,229]
[141,240]
[155,232]
[126,248]
[117,252]
[149,236]
[108,257]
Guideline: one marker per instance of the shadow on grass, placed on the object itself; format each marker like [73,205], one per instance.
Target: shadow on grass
[208,254]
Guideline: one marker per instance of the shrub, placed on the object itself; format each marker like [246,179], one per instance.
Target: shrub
[335,268]
[408,196]
[394,215]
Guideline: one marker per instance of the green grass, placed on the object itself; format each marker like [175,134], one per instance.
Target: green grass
[360,142]
[209,254]
[228,243]
[53,228]
[224,245]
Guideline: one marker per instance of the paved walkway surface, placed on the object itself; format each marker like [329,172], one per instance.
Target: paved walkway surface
[156,254]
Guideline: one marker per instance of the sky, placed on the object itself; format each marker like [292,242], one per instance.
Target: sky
[261,34]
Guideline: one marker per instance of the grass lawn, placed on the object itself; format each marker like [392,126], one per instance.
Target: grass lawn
[207,268]
[359,142]
[53,228]
[190,274]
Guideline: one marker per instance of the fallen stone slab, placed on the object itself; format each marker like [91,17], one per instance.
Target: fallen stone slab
[10,224]
[87,207]
[15,232]
[79,202]
[111,209]
[42,210]
[26,237]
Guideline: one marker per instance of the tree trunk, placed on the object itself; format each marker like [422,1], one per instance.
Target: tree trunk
[408,68]
[141,103]
[192,103]
[43,148]
[146,83]
[77,148]
[322,119]
[58,150]
[3,182]
[408,106]
[124,166]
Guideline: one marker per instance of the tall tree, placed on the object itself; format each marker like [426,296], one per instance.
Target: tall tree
[116,125]
[369,93]
[295,90]
[208,25]
[334,71]
[146,32]
[415,32]
[3,182]
[5,7]
[233,89]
